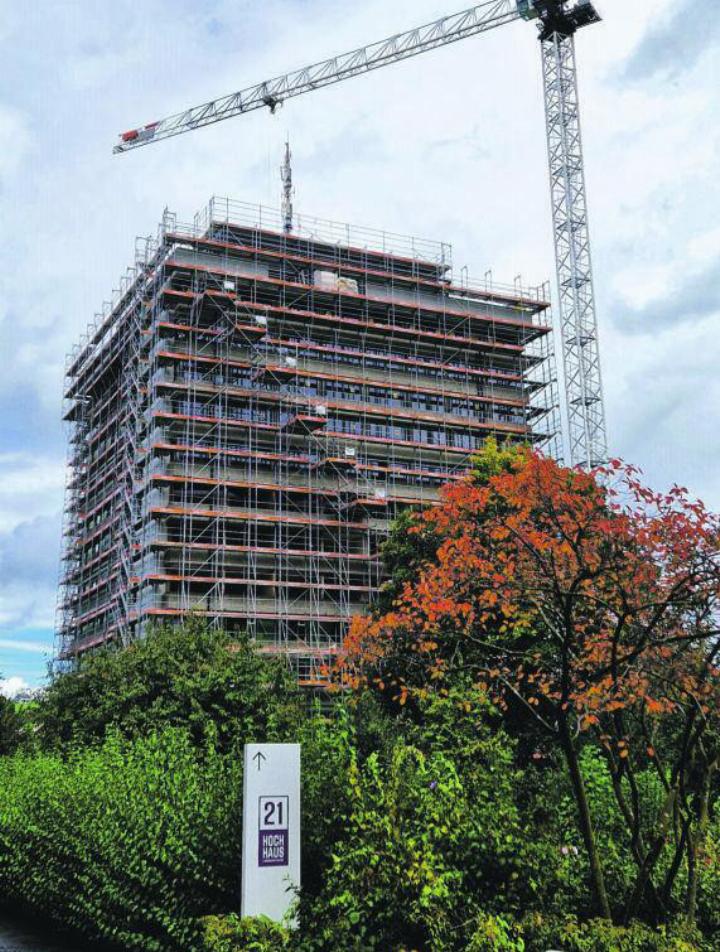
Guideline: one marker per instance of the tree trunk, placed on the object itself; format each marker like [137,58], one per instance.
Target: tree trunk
[691,897]
[651,857]
[696,845]
[600,898]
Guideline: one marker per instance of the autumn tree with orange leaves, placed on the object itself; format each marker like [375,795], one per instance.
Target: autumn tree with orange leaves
[586,605]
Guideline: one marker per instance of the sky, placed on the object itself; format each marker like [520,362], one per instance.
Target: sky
[448,146]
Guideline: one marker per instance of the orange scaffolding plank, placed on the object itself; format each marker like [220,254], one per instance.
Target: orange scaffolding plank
[244,484]
[269,616]
[236,515]
[387,330]
[263,550]
[258,251]
[330,348]
[218,450]
[443,421]
[254,583]
[415,306]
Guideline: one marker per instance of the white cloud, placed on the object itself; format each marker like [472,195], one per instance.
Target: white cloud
[14,140]
[20,644]
[29,564]
[30,486]
[11,687]
[24,606]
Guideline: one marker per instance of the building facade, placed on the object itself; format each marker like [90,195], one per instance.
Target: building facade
[254,408]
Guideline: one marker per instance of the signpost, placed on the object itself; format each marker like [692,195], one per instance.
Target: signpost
[271,829]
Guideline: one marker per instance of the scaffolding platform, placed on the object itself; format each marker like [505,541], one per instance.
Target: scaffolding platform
[252,409]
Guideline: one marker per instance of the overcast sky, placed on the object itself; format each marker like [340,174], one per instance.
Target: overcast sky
[448,146]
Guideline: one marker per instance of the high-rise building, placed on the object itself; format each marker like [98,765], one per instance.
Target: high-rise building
[254,408]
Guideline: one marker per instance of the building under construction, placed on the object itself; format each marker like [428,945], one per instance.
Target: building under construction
[254,408]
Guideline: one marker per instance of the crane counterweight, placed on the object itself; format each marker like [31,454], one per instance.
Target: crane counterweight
[559,16]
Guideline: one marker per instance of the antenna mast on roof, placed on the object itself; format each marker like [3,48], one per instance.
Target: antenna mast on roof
[287,182]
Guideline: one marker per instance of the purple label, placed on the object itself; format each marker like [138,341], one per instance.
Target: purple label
[273,848]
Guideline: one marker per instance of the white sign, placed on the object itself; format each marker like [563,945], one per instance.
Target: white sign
[271,829]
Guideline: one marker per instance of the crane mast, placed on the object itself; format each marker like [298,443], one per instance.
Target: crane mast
[558,21]
[584,400]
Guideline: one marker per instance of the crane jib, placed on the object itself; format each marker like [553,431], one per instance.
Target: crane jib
[271,93]
[554,15]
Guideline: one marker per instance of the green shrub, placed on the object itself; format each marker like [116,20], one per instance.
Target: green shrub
[130,842]
[495,934]
[425,828]
[328,755]
[599,935]
[185,676]
[11,726]
[233,934]
[709,892]
[423,847]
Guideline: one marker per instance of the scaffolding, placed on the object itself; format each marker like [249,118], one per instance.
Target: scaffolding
[254,408]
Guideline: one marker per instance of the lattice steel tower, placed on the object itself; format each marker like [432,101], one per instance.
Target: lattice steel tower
[576,295]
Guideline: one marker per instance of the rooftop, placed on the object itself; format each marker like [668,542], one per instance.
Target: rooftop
[221,211]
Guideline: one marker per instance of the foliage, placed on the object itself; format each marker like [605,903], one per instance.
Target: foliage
[590,615]
[127,826]
[188,676]
[407,548]
[709,887]
[231,933]
[414,540]
[432,838]
[599,935]
[533,728]
[11,726]
[128,842]
[422,833]
[495,934]
[494,460]
[328,756]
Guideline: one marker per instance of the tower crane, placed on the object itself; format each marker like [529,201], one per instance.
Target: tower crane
[558,21]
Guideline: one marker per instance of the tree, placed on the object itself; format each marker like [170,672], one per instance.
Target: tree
[10,726]
[588,605]
[188,675]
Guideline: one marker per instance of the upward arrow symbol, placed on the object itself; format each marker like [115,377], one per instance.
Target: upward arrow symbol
[259,756]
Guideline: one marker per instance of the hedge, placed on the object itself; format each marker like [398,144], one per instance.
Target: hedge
[129,842]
